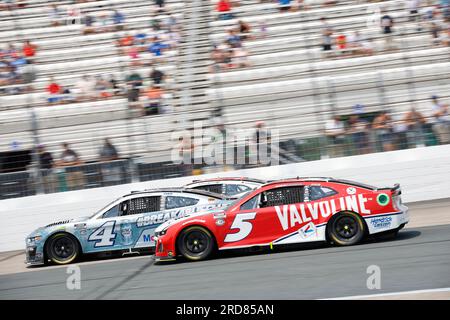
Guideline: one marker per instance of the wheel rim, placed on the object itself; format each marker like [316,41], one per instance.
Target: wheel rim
[346,227]
[196,242]
[63,248]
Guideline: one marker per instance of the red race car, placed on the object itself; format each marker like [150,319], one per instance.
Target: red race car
[283,212]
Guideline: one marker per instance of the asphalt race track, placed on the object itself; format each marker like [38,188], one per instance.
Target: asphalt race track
[419,258]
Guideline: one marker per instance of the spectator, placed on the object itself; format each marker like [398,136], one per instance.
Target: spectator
[224,9]
[111,173]
[108,152]
[157,76]
[414,6]
[89,22]
[85,88]
[102,88]
[29,74]
[104,22]
[285,5]
[29,50]
[335,131]
[73,14]
[134,82]
[415,123]
[440,120]
[113,84]
[387,22]
[382,124]
[233,39]
[54,15]
[70,158]
[263,29]
[244,29]
[133,53]
[54,90]
[46,165]
[157,47]
[153,104]
[358,130]
[118,20]
[435,30]
[155,24]
[240,57]
[125,41]
[217,57]
[341,42]
[445,38]
[327,33]
[160,5]
[171,23]
[359,45]
[140,38]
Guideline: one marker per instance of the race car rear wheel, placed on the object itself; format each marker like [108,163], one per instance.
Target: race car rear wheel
[195,243]
[62,248]
[346,228]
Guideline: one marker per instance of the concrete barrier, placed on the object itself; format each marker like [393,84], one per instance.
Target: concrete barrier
[424,174]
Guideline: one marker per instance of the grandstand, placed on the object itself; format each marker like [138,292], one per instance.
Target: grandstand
[287,81]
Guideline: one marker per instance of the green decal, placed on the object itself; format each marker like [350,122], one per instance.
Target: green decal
[383,199]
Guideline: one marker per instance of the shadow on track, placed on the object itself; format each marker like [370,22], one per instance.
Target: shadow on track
[300,247]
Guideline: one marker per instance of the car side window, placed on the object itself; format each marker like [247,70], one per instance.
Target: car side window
[142,205]
[250,204]
[216,188]
[319,192]
[173,202]
[232,189]
[281,196]
[113,212]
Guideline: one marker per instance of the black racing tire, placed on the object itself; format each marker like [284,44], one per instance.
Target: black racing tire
[195,243]
[62,248]
[346,229]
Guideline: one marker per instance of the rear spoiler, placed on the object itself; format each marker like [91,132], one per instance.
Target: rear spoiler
[395,189]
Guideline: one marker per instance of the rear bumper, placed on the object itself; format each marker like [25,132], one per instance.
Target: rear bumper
[389,221]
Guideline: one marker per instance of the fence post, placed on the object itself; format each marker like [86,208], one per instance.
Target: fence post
[35,156]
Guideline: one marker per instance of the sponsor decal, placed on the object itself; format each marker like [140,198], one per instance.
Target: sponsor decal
[220,222]
[159,218]
[381,222]
[126,232]
[146,239]
[308,230]
[351,190]
[383,199]
[298,214]
[163,216]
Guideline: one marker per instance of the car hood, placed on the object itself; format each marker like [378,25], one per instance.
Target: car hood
[55,225]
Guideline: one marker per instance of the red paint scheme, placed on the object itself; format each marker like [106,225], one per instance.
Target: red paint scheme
[267,225]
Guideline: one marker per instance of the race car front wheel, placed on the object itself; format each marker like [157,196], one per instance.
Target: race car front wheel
[346,228]
[195,243]
[62,248]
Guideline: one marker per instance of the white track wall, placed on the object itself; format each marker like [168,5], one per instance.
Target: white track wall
[424,174]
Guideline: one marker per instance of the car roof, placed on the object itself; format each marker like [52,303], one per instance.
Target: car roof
[321,179]
[246,179]
[181,190]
